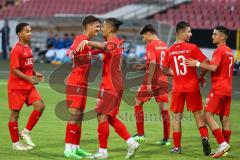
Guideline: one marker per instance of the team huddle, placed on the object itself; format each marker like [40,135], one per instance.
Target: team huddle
[180,61]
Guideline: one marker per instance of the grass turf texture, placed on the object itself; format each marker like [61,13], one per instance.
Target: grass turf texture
[49,133]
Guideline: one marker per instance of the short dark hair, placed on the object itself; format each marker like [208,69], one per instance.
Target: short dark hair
[20,27]
[223,29]
[90,19]
[148,28]
[182,25]
[115,23]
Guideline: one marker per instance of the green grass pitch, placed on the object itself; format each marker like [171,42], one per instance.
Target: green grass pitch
[50,131]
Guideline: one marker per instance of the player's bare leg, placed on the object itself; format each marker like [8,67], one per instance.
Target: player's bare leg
[226,127]
[13,128]
[139,117]
[163,111]
[223,145]
[14,116]
[203,132]
[177,132]
[122,131]
[32,121]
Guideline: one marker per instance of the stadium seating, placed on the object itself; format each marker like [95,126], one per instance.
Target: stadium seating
[204,14]
[48,8]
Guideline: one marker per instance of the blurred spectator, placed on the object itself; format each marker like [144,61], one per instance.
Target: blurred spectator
[72,37]
[58,43]
[67,40]
[5,39]
[50,40]
[57,53]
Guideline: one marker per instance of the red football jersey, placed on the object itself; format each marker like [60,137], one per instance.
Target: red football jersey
[223,57]
[112,64]
[81,63]
[20,58]
[155,51]
[185,78]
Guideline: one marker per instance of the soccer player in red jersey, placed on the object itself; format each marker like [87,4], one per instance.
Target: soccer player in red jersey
[155,83]
[185,85]
[111,89]
[219,98]
[76,89]
[21,88]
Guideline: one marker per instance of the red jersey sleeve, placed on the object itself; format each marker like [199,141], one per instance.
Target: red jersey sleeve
[14,59]
[150,53]
[76,41]
[198,55]
[216,58]
[166,62]
[97,51]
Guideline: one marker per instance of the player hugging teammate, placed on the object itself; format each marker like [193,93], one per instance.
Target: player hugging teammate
[180,61]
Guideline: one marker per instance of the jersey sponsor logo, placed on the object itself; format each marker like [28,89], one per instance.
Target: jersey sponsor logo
[29,61]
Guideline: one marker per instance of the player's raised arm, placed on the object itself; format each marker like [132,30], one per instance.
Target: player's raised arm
[194,63]
[99,45]
[39,76]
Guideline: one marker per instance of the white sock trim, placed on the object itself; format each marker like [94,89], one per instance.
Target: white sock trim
[15,143]
[130,141]
[68,147]
[26,130]
[103,150]
[224,143]
[74,147]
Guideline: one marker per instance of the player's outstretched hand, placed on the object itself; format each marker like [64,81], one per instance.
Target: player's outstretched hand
[81,46]
[39,76]
[71,53]
[191,62]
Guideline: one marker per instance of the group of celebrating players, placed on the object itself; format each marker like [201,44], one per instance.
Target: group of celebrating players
[180,61]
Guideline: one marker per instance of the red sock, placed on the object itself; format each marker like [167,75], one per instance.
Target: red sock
[13,129]
[218,135]
[71,131]
[139,115]
[119,127]
[77,138]
[177,139]
[203,131]
[33,119]
[166,124]
[227,135]
[103,133]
